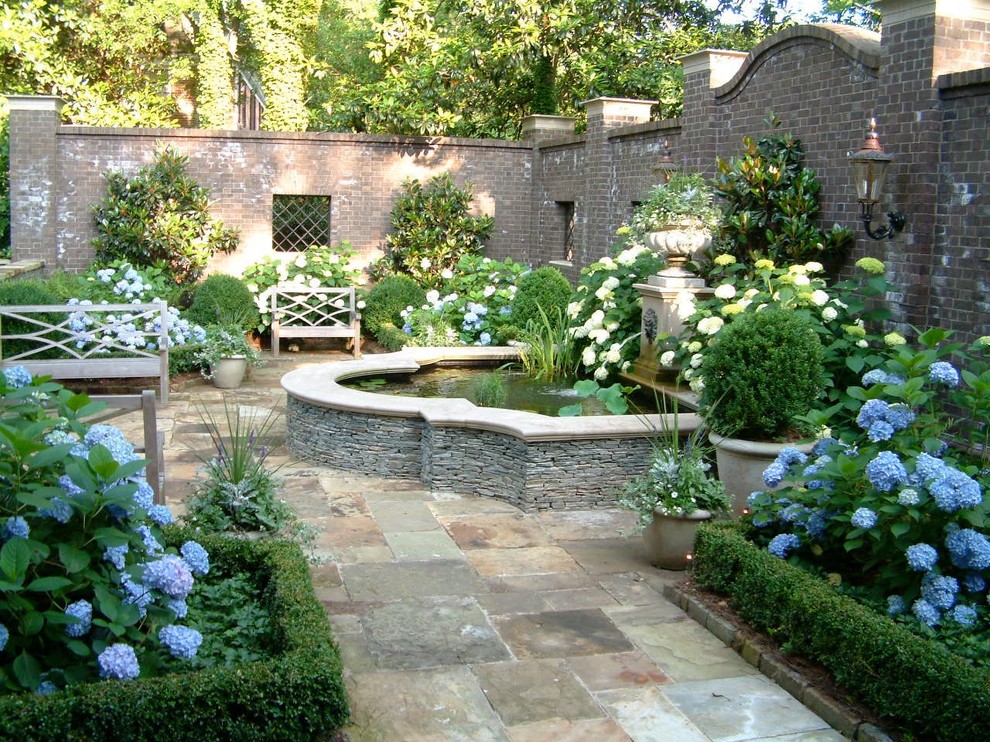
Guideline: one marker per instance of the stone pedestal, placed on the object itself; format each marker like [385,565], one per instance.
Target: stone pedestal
[669,298]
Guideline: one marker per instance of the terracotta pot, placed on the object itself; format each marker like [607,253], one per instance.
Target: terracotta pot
[741,464]
[669,539]
[229,372]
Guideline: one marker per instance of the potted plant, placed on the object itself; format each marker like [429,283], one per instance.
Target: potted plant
[677,217]
[764,373]
[677,493]
[225,356]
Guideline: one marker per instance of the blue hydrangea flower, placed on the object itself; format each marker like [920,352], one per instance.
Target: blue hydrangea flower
[783,543]
[17,376]
[896,605]
[115,555]
[181,641]
[963,615]
[169,575]
[762,521]
[160,514]
[815,525]
[178,607]
[926,612]
[46,688]
[15,527]
[879,431]
[939,590]
[82,611]
[908,497]
[774,474]
[823,446]
[921,557]
[151,545]
[864,518]
[196,558]
[879,376]
[927,467]
[118,662]
[871,411]
[953,490]
[968,549]
[943,373]
[886,471]
[974,582]
[113,440]
[135,593]
[60,510]
[144,497]
[900,416]
[752,498]
[790,456]
[793,512]
[4,636]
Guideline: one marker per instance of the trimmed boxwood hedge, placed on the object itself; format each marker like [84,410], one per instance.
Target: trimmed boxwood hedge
[297,695]
[918,685]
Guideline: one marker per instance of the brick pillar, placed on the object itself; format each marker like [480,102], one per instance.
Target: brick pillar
[540,129]
[595,231]
[704,71]
[920,40]
[34,122]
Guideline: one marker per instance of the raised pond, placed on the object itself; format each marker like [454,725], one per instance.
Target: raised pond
[531,460]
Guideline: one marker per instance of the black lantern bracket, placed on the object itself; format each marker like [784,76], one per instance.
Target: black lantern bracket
[869,164]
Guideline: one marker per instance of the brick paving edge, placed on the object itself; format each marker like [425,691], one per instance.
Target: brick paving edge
[832,713]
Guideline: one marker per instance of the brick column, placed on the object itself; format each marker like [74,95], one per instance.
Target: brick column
[34,122]
[704,71]
[595,231]
[920,40]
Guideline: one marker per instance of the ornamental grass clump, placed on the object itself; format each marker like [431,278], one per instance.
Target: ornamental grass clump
[88,590]
[894,507]
[764,373]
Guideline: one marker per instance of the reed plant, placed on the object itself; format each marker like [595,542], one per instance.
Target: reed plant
[547,351]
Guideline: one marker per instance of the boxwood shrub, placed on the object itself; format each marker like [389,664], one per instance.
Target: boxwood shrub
[916,684]
[299,694]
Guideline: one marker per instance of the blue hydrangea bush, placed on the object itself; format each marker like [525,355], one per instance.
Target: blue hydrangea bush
[894,508]
[471,306]
[87,591]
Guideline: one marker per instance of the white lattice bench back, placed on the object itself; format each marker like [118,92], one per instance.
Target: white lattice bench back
[301,312]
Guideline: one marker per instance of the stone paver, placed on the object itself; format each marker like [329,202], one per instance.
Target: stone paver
[462,618]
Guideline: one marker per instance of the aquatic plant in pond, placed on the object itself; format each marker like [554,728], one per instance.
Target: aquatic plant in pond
[88,587]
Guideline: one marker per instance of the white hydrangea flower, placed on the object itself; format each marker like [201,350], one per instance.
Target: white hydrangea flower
[819,297]
[608,263]
[601,373]
[667,358]
[425,263]
[489,290]
[710,325]
[574,309]
[696,360]
[750,293]
[801,280]
[829,314]
[599,335]
[300,261]
[611,283]
[694,346]
[814,267]
[613,355]
[726,291]
[697,385]
[612,326]
[446,274]
[588,356]
[603,294]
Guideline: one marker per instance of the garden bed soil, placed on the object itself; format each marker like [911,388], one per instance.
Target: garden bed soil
[813,673]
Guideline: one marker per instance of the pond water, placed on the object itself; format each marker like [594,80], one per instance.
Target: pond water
[523,392]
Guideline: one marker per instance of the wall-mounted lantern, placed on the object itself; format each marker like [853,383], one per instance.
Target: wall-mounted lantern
[666,166]
[869,164]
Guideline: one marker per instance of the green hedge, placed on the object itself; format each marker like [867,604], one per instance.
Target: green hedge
[916,684]
[297,695]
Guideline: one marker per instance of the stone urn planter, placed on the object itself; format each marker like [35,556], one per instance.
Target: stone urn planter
[679,242]
[228,372]
[669,539]
[741,464]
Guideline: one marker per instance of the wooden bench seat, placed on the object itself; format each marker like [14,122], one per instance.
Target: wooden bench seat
[302,312]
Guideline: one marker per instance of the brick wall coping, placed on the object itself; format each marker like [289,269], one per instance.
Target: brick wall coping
[563,143]
[672,125]
[293,136]
[965,79]
[318,385]
[860,45]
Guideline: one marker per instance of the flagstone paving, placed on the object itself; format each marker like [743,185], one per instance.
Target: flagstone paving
[463,618]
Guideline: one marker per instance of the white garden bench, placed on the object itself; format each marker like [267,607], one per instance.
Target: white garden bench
[302,312]
[97,352]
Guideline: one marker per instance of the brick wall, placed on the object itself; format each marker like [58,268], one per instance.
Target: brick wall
[924,79]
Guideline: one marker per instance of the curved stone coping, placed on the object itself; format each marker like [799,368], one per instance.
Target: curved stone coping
[319,385]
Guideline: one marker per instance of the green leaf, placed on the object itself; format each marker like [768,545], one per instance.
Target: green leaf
[853,544]
[27,671]
[78,648]
[75,560]
[571,410]
[15,556]
[110,537]
[900,528]
[50,456]
[48,584]
[9,587]
[586,387]
[32,623]
[101,461]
